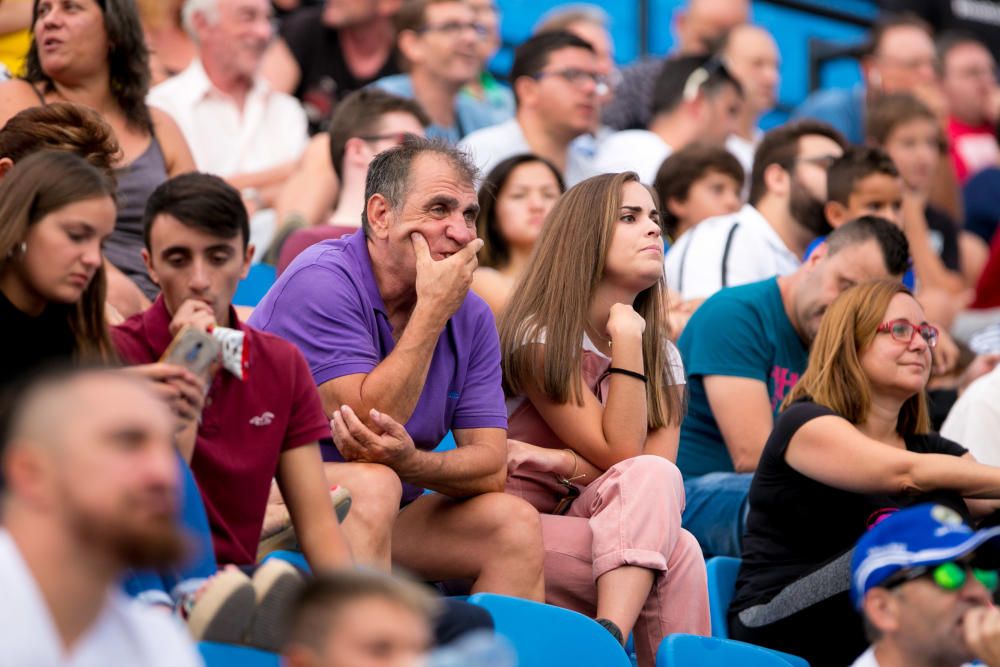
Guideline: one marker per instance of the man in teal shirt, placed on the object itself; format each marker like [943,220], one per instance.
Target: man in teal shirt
[744,349]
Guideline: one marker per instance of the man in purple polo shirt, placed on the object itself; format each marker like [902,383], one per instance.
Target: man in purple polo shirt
[252,429]
[393,336]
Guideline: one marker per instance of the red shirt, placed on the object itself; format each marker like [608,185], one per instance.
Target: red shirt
[988,287]
[246,425]
[972,149]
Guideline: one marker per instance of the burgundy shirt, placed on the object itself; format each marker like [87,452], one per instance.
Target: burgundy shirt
[246,425]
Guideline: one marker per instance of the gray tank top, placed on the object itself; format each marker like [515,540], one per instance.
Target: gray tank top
[136,183]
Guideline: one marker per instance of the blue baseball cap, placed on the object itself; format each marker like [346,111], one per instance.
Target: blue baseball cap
[921,535]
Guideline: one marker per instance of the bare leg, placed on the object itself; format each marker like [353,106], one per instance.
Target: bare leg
[621,594]
[494,538]
[375,495]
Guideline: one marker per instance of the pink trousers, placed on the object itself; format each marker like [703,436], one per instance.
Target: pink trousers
[630,515]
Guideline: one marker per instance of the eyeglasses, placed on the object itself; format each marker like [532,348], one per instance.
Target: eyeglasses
[578,78]
[821,161]
[455,28]
[395,137]
[902,330]
[699,77]
[949,576]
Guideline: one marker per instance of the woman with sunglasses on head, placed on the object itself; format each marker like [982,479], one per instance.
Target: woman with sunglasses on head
[852,445]
[513,202]
[594,415]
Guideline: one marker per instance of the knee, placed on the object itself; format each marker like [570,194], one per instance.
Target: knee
[375,489]
[650,476]
[513,523]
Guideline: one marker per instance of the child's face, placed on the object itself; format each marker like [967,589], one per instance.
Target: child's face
[713,194]
[375,632]
[877,194]
[915,149]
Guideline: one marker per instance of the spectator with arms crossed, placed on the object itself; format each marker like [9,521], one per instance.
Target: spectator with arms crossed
[745,349]
[393,337]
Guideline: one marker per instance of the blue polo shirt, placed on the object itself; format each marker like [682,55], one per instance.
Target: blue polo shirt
[740,332]
[328,304]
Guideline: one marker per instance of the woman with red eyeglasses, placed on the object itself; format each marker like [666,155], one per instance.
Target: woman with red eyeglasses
[852,445]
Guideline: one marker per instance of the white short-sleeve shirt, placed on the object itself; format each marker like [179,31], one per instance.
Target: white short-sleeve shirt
[640,151]
[124,633]
[726,251]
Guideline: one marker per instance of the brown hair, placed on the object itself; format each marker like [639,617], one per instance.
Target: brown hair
[37,186]
[495,252]
[61,126]
[780,146]
[887,112]
[891,22]
[856,164]
[835,378]
[555,292]
[682,168]
[360,114]
[412,16]
[325,596]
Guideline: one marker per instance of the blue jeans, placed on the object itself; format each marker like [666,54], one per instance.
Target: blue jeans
[716,511]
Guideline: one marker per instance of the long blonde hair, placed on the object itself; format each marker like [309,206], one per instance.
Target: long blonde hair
[38,185]
[554,295]
[835,378]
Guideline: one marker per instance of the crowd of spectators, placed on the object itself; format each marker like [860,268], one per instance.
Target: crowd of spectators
[560,335]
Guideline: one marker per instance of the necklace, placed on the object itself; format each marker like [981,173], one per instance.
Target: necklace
[592,332]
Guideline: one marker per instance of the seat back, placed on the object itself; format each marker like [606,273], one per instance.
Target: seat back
[229,655]
[544,635]
[685,650]
[722,571]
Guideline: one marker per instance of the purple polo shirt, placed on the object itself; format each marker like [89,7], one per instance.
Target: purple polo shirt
[327,302]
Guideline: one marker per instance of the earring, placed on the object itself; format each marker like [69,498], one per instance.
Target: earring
[20,249]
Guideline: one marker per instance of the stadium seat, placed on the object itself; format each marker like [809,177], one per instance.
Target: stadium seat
[690,650]
[296,558]
[229,655]
[544,635]
[722,571]
[253,288]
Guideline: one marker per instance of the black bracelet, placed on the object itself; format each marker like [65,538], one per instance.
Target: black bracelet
[631,374]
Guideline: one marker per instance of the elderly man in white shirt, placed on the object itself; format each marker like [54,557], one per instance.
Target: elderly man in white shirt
[770,235]
[237,126]
[91,489]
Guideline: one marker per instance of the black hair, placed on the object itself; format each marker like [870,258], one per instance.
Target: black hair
[672,83]
[890,238]
[780,146]
[128,60]
[532,55]
[857,163]
[200,201]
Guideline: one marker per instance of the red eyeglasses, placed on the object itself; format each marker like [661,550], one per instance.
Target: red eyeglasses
[902,330]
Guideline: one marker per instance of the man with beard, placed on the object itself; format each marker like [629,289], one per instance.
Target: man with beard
[744,349]
[91,490]
[769,235]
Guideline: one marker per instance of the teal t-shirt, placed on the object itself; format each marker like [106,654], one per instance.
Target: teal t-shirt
[741,332]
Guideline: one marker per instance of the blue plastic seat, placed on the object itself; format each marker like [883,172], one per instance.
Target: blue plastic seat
[253,288]
[230,655]
[691,650]
[544,635]
[296,558]
[722,571]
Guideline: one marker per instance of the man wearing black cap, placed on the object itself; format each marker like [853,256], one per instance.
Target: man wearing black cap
[924,581]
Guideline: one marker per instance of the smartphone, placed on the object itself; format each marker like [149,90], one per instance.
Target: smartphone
[193,349]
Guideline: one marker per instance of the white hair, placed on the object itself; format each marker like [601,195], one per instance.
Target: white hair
[207,8]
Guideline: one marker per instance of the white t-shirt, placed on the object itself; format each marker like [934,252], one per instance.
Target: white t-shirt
[490,146]
[270,130]
[125,632]
[726,251]
[974,420]
[866,659]
[640,151]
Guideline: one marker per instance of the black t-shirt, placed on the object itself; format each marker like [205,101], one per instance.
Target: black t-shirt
[326,78]
[979,17]
[797,524]
[26,342]
[944,237]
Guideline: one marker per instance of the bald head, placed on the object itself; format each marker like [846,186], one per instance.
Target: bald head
[751,54]
[704,23]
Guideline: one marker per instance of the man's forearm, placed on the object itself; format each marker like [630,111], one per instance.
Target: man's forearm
[459,473]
